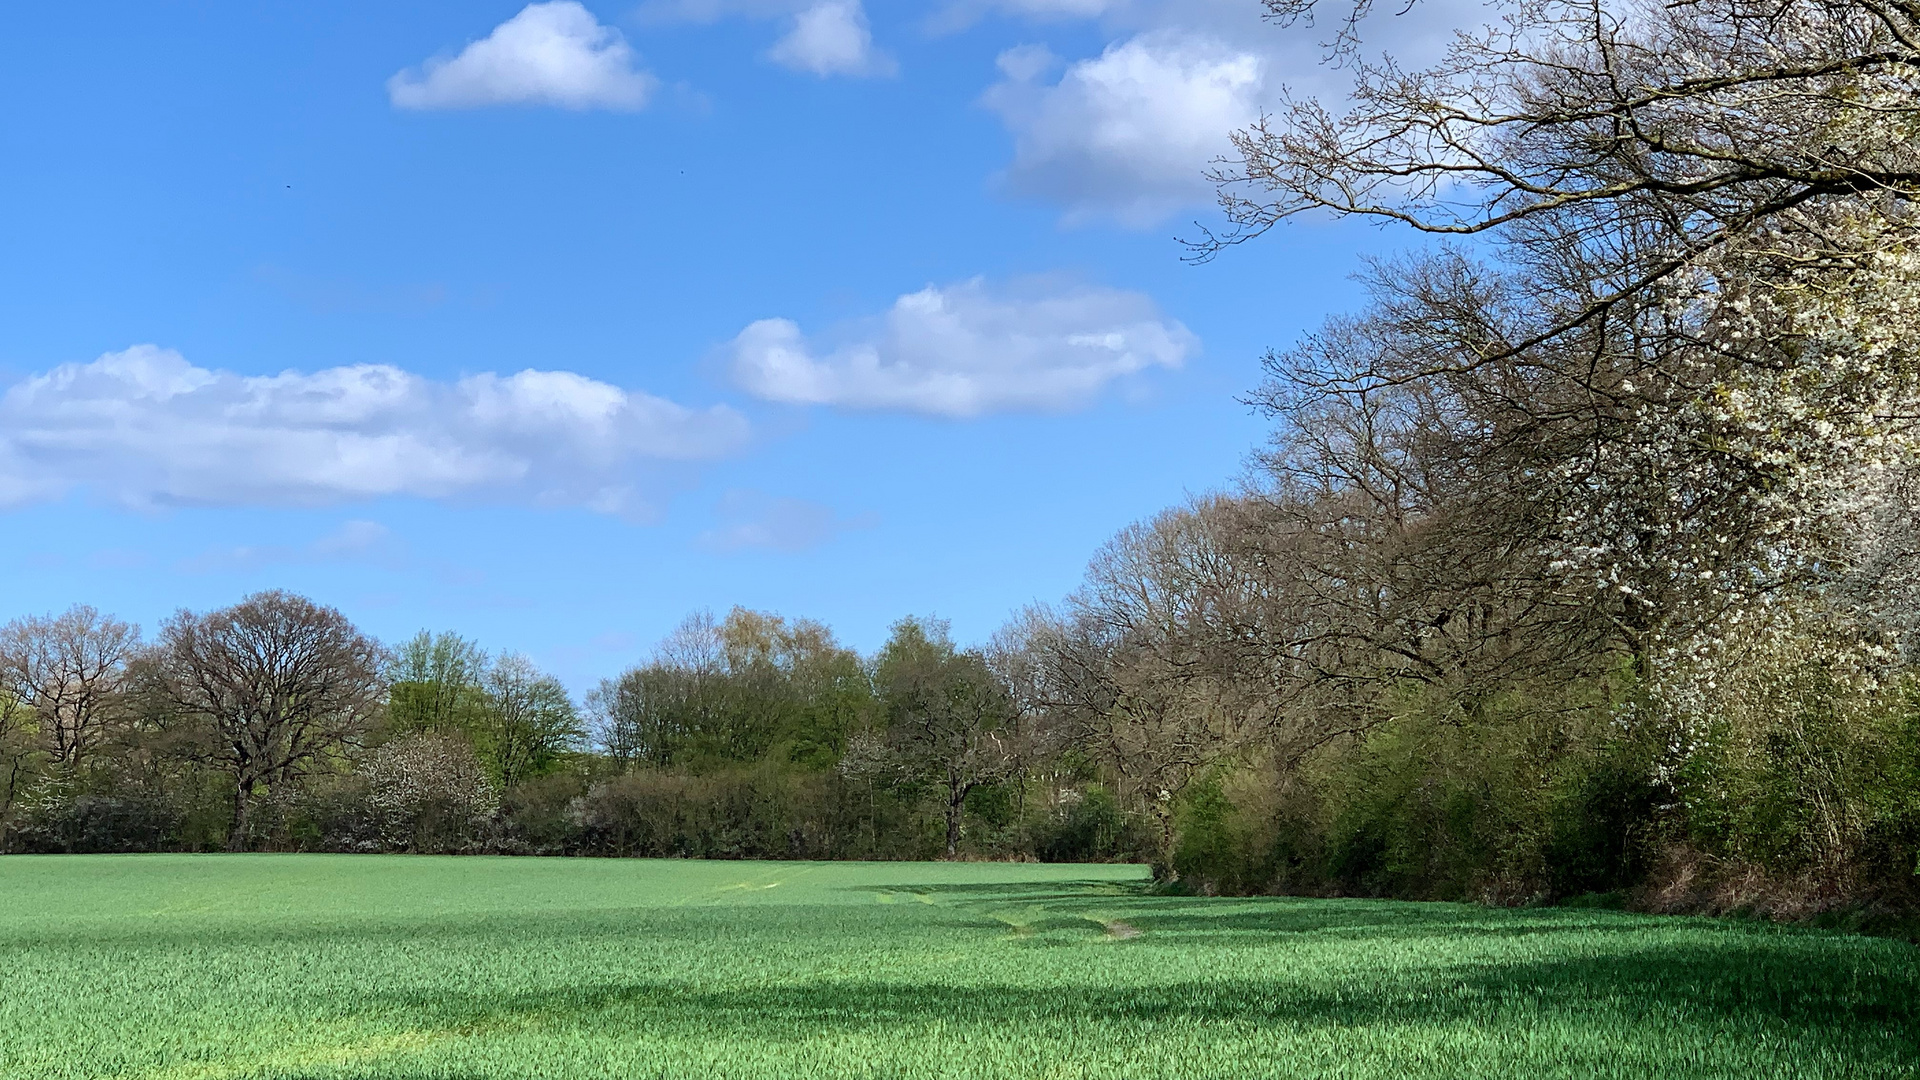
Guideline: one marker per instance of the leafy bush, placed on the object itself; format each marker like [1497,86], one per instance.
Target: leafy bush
[1088,826]
[98,824]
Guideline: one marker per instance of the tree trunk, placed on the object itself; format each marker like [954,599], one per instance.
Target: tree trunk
[15,768]
[1023,836]
[242,802]
[956,798]
[1164,811]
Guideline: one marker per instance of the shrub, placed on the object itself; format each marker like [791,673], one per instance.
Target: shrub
[1088,826]
[430,793]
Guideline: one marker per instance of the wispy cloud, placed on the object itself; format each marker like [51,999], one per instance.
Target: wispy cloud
[353,541]
[553,53]
[823,37]
[960,14]
[967,349]
[750,520]
[144,427]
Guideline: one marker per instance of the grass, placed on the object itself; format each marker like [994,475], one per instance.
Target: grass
[303,967]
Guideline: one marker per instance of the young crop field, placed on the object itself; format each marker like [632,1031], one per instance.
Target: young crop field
[202,967]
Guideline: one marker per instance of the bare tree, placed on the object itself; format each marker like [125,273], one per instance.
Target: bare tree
[1272,624]
[70,671]
[278,681]
[1145,672]
[1699,125]
[1684,343]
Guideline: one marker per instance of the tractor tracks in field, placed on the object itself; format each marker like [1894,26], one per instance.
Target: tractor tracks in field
[1023,921]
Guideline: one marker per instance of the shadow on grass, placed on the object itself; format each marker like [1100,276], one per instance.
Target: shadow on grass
[1217,920]
[1592,986]
[1851,1004]
[1200,920]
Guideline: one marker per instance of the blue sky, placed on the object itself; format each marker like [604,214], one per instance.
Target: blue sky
[551,324]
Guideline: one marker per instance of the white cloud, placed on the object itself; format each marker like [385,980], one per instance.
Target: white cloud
[1026,63]
[823,37]
[831,37]
[755,521]
[144,427]
[552,53]
[967,349]
[1128,134]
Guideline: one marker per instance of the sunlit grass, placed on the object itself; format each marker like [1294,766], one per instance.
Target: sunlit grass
[215,967]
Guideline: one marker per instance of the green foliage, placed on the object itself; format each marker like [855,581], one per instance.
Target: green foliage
[374,968]
[1805,765]
[943,706]
[761,811]
[434,683]
[1089,826]
[1212,848]
[520,721]
[1601,825]
[754,687]
[1520,799]
[948,718]
[539,817]
[1418,810]
[526,722]
[994,805]
[1787,781]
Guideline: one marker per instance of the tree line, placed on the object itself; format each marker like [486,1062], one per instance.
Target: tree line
[276,724]
[1584,559]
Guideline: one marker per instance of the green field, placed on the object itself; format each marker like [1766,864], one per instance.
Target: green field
[360,966]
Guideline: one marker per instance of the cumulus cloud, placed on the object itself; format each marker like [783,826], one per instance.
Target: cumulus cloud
[831,37]
[1127,135]
[144,427]
[967,349]
[553,53]
[751,520]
